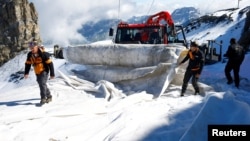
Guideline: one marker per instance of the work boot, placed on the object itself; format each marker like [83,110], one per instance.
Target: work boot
[196,93]
[43,101]
[49,99]
[182,94]
[229,82]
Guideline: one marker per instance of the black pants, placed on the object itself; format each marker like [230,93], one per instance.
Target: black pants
[236,69]
[42,80]
[187,76]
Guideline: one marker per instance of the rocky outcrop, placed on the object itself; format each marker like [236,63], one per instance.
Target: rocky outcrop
[245,36]
[18,26]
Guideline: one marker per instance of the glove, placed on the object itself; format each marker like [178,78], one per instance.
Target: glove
[51,77]
[26,76]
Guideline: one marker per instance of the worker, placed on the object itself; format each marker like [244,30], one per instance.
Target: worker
[154,37]
[236,55]
[43,65]
[194,68]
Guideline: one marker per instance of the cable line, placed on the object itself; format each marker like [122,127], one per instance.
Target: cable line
[150,6]
[119,7]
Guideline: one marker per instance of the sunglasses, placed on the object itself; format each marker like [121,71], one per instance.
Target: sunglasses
[32,44]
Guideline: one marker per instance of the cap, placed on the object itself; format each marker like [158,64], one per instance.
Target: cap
[33,43]
[194,44]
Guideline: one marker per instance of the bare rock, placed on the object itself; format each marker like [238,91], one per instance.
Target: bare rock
[18,26]
[245,36]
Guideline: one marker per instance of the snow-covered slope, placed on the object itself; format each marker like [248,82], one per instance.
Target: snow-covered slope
[219,26]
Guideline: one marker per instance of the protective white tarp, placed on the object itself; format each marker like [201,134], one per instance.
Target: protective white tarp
[131,67]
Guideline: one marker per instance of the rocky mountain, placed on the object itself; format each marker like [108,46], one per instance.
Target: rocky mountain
[213,31]
[97,31]
[245,36]
[18,25]
[185,14]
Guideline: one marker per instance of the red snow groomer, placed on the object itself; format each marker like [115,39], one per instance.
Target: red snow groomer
[158,29]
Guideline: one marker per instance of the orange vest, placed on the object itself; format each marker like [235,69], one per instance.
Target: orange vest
[37,62]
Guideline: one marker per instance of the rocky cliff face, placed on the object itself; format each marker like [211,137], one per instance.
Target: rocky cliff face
[245,36]
[18,26]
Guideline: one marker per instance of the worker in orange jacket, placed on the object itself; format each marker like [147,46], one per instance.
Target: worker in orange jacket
[43,65]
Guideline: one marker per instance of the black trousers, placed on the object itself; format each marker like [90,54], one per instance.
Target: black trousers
[188,75]
[42,80]
[236,69]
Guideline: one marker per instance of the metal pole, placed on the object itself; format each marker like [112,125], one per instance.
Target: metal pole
[212,50]
[220,56]
[238,4]
[119,8]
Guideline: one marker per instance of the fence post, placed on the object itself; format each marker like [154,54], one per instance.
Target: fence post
[211,50]
[220,56]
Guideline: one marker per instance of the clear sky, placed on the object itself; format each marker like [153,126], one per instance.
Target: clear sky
[66,17]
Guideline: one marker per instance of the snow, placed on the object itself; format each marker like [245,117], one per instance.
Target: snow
[79,111]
